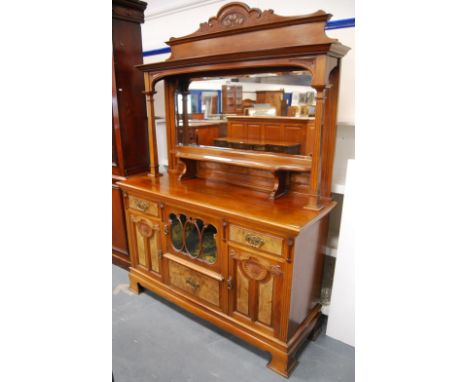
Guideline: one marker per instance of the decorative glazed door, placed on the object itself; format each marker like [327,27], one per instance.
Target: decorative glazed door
[255,290]
[193,237]
[146,243]
[192,260]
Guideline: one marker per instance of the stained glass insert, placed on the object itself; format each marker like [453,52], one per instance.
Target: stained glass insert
[193,237]
[209,244]
[176,232]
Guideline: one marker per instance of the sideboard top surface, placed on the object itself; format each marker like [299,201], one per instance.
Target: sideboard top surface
[286,213]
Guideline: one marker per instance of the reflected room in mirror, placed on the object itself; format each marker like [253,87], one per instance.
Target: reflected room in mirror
[268,112]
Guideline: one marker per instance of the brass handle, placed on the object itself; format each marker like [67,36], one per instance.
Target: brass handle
[141,205]
[254,241]
[190,281]
[166,229]
[229,282]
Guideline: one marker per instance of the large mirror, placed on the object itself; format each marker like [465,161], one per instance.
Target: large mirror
[267,112]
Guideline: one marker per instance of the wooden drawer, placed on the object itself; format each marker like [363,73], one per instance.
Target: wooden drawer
[257,240]
[201,283]
[142,205]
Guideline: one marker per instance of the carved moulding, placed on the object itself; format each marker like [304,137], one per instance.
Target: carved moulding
[145,228]
[253,269]
[239,15]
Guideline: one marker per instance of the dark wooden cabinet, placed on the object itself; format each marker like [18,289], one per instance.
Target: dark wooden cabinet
[129,126]
[232,99]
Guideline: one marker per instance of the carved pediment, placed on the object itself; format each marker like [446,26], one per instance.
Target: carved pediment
[237,15]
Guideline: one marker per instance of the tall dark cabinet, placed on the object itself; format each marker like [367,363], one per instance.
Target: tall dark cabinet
[129,123]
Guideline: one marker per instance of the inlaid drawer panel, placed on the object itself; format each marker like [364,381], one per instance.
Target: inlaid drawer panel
[143,205]
[204,286]
[257,240]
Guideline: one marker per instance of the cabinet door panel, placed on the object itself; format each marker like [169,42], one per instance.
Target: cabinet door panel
[146,240]
[255,290]
[193,237]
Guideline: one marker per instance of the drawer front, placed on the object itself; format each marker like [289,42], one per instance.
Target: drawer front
[194,283]
[261,241]
[143,205]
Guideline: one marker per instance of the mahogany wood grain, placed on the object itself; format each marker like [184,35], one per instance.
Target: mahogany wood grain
[129,138]
[126,42]
[285,214]
[119,231]
[268,297]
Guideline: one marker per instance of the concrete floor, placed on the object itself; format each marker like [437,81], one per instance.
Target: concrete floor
[154,340]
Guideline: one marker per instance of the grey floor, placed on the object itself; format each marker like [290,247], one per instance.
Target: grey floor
[154,340]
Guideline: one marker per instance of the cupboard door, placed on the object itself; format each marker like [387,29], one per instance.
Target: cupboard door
[255,289]
[146,243]
[193,237]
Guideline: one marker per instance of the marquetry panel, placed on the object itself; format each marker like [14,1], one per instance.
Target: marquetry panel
[265,301]
[242,292]
[143,205]
[155,250]
[255,290]
[194,283]
[257,240]
[141,249]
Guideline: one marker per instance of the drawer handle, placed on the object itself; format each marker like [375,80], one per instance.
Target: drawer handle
[141,205]
[254,241]
[229,282]
[190,281]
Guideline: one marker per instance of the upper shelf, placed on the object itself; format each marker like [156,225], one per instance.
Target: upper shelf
[244,158]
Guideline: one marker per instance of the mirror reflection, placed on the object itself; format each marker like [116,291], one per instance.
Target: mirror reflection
[263,112]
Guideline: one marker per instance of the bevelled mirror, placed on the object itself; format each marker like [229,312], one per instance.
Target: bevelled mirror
[265,112]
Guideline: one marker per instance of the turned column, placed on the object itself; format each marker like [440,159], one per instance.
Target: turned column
[152,141]
[185,121]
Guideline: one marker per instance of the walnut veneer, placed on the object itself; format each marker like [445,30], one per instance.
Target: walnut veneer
[236,236]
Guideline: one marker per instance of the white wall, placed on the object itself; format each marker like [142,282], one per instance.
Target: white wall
[341,313]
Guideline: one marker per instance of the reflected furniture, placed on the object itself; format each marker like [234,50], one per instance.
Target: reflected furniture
[232,99]
[236,236]
[275,134]
[272,97]
[129,138]
[206,132]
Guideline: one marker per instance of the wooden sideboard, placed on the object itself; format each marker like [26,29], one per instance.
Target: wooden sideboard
[129,138]
[277,134]
[236,236]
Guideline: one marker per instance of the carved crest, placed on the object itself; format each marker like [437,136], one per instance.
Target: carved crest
[239,15]
[254,270]
[145,229]
[233,19]
[233,15]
